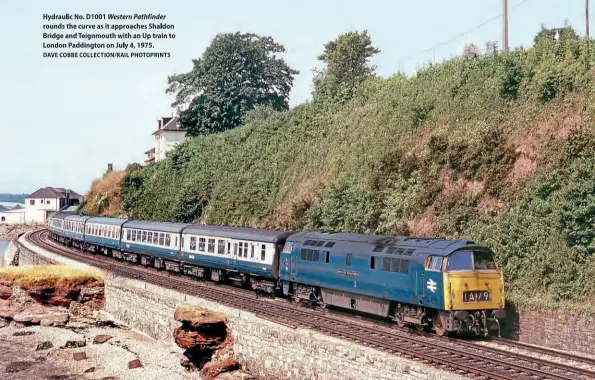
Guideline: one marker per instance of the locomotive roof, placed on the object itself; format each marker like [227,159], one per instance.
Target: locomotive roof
[156,226]
[76,218]
[240,233]
[107,221]
[378,244]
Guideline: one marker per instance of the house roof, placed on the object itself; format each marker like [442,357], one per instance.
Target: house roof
[171,125]
[152,150]
[54,192]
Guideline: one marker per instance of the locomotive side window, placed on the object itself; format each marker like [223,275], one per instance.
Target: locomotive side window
[435,263]
[374,262]
[325,256]
[348,260]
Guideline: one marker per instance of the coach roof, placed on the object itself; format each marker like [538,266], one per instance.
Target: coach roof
[107,221]
[240,233]
[155,226]
[76,218]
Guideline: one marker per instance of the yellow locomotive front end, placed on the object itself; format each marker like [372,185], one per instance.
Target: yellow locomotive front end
[474,290]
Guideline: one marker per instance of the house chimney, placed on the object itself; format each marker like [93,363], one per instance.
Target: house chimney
[110,167]
[159,124]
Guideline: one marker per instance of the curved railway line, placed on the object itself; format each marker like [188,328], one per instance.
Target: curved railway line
[459,356]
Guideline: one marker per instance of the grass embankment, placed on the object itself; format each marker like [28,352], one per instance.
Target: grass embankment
[499,150]
[48,276]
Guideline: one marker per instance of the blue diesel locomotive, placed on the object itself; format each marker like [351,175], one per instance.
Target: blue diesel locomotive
[444,285]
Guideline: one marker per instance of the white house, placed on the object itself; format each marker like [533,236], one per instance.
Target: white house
[40,204]
[14,216]
[167,136]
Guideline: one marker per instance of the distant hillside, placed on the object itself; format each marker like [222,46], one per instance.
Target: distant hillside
[498,149]
[12,198]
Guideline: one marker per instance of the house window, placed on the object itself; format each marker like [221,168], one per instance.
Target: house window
[3,219]
[32,202]
[48,202]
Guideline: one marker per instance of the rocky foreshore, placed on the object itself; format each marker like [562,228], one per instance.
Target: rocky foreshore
[52,327]
[11,231]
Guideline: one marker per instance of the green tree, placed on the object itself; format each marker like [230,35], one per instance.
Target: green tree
[565,33]
[347,64]
[236,73]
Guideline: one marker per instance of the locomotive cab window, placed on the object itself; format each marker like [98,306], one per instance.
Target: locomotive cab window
[348,260]
[471,260]
[434,263]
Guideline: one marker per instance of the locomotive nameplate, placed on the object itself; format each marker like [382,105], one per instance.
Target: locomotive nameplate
[476,296]
[348,272]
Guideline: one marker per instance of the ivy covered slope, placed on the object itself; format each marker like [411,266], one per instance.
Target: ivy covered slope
[498,148]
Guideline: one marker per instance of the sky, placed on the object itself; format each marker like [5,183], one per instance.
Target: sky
[62,121]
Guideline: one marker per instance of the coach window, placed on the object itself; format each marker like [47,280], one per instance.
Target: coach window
[193,243]
[373,262]
[221,247]
[128,235]
[150,237]
[263,250]
[155,238]
[133,235]
[167,240]
[251,251]
[348,260]
[176,241]
[144,236]
[245,250]
[201,244]
[241,246]
[161,238]
[211,246]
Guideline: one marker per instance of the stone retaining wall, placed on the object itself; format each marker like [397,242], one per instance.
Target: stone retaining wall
[565,330]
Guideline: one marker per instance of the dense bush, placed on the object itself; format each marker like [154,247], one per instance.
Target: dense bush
[497,148]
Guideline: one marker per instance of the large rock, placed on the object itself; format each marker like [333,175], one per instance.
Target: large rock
[200,329]
[207,340]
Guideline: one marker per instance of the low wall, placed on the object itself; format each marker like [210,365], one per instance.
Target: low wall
[565,330]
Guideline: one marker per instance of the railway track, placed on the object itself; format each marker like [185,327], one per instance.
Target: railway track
[462,357]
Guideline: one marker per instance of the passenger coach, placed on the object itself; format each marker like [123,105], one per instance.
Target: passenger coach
[56,226]
[103,234]
[74,230]
[155,243]
[250,256]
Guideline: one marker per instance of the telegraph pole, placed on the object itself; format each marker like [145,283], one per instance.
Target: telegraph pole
[587,17]
[505,25]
